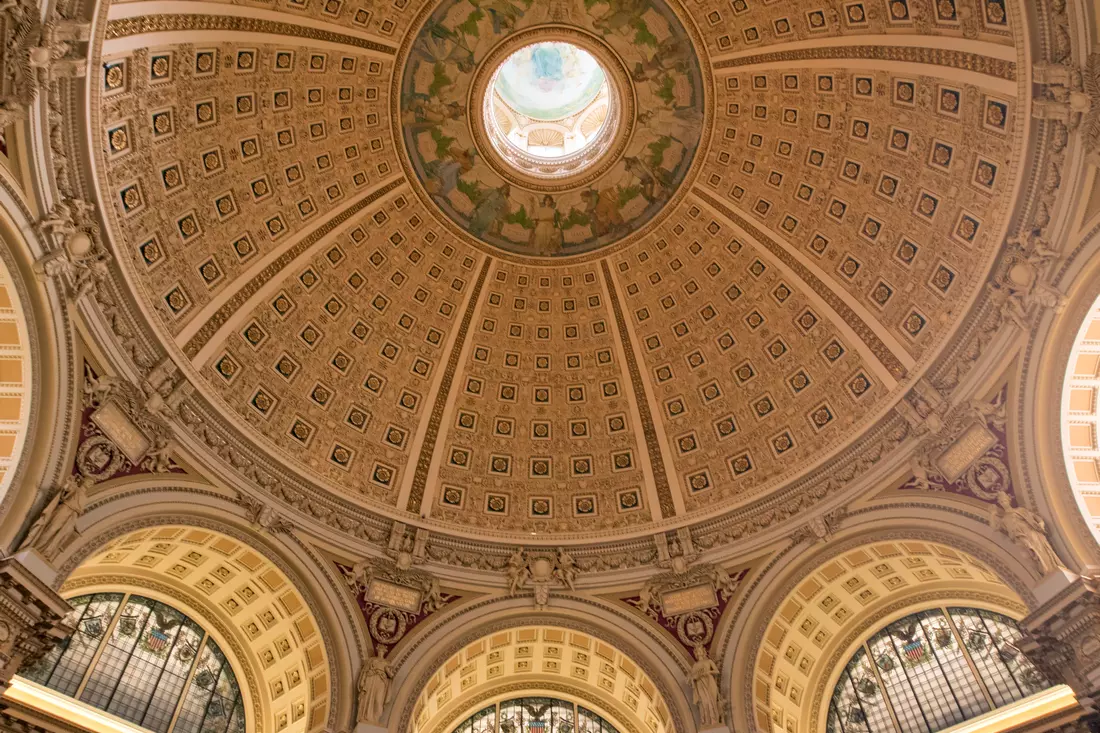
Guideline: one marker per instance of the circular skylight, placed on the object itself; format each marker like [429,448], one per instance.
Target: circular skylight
[549,100]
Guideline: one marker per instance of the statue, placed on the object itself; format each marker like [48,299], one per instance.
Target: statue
[518,574]
[566,570]
[648,602]
[361,573]
[989,413]
[58,519]
[921,475]
[704,684]
[1026,529]
[374,682]
[433,596]
[723,583]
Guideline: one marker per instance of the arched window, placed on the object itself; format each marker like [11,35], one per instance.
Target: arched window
[535,715]
[145,662]
[932,670]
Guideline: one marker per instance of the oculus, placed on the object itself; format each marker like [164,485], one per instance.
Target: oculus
[549,138]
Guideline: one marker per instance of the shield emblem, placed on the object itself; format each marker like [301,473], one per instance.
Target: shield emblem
[1007,653]
[914,651]
[695,629]
[93,627]
[185,653]
[156,640]
[127,625]
[885,662]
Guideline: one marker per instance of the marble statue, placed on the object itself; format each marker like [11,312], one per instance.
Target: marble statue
[58,519]
[374,683]
[704,684]
[1027,530]
[567,569]
[518,573]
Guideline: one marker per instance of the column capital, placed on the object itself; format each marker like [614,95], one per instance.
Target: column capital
[1063,638]
[31,614]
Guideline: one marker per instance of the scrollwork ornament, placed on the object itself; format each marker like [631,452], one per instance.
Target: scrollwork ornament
[98,458]
[388,625]
[695,629]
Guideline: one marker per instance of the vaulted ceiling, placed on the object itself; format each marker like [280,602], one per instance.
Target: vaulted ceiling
[851,186]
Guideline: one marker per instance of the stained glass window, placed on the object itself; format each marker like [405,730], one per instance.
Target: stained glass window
[145,662]
[932,670]
[535,715]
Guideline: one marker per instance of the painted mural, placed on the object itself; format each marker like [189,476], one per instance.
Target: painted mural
[668,85]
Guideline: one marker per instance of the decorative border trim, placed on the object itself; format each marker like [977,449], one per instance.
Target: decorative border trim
[949,58]
[178,22]
[641,399]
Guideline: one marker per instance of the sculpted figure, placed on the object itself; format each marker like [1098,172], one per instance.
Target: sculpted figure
[704,684]
[989,413]
[361,573]
[58,519]
[1027,529]
[433,596]
[567,569]
[374,683]
[647,601]
[518,573]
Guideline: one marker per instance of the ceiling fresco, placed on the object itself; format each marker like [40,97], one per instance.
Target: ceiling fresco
[438,104]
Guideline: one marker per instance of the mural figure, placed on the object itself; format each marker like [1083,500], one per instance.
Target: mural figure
[545,235]
[490,207]
[435,86]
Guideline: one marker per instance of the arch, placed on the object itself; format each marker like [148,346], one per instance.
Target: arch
[421,661]
[925,558]
[541,660]
[282,575]
[1045,377]
[40,336]
[148,661]
[1080,418]
[938,666]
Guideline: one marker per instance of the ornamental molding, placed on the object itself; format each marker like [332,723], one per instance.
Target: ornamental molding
[103,533]
[622,716]
[239,458]
[551,619]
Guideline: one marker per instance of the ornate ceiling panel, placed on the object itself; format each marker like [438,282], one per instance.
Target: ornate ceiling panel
[822,241]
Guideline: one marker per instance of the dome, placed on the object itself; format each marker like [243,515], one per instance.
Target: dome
[383,311]
[634,365]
